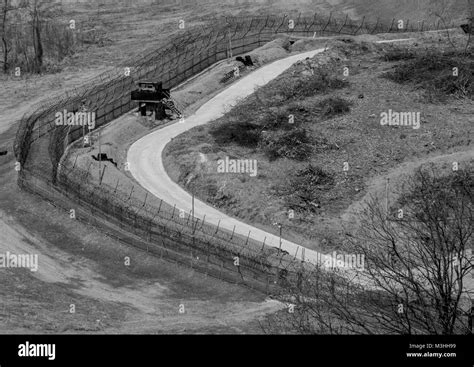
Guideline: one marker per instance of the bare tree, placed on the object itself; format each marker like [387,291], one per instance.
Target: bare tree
[39,12]
[4,9]
[417,259]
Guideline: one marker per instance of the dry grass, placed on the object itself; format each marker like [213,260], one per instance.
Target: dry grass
[433,71]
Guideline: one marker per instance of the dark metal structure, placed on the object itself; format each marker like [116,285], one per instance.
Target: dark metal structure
[151,96]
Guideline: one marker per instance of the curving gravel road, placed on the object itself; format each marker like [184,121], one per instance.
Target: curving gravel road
[146,165]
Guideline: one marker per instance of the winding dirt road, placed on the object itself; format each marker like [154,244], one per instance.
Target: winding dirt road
[146,164]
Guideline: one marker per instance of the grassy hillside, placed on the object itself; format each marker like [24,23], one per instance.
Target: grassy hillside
[322,161]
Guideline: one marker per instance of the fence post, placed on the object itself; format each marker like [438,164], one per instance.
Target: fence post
[391,25]
[116,186]
[159,208]
[102,175]
[131,192]
[75,161]
[203,221]
[360,27]
[342,27]
[327,24]
[232,233]
[296,253]
[376,25]
[246,242]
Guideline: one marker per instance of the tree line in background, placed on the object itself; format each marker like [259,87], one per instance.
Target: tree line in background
[33,35]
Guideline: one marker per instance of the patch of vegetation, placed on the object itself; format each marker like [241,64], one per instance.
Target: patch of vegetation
[242,133]
[444,192]
[434,72]
[295,144]
[321,82]
[350,47]
[218,198]
[278,120]
[302,193]
[275,134]
[398,54]
[334,106]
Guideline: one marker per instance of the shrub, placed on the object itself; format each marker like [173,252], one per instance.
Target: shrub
[334,106]
[277,120]
[433,72]
[321,82]
[293,145]
[398,54]
[218,198]
[302,192]
[241,133]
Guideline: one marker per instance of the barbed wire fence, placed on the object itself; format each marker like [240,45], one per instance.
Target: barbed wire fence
[40,145]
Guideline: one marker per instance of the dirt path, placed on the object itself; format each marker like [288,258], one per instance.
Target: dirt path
[56,266]
[151,306]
